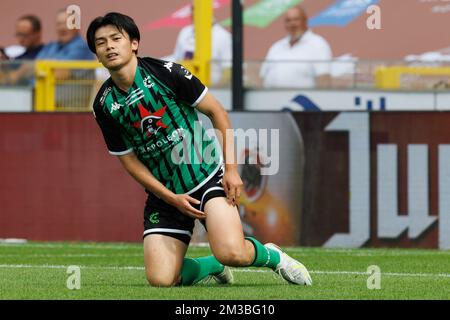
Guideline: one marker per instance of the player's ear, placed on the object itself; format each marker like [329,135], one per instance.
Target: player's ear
[134,45]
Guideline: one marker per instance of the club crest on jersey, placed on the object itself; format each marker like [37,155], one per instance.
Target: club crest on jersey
[148,82]
[150,122]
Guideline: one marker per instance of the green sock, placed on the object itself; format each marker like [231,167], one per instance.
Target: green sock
[264,257]
[194,270]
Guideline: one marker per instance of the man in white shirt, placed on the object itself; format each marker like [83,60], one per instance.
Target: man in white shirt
[300,60]
[221,50]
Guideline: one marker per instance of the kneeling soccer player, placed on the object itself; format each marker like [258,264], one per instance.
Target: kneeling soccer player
[147,110]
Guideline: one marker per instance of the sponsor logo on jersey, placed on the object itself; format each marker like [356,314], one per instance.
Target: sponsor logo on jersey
[150,123]
[187,73]
[104,95]
[166,142]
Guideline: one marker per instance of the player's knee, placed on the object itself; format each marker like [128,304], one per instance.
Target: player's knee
[234,257]
[161,280]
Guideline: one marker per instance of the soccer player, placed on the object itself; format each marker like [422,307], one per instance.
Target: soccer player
[147,112]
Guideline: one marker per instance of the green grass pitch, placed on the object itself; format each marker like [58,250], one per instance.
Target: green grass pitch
[38,270]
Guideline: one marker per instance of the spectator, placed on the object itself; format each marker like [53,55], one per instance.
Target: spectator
[283,66]
[29,36]
[221,50]
[69,45]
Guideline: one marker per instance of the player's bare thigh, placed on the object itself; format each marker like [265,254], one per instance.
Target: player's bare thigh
[225,234]
[163,259]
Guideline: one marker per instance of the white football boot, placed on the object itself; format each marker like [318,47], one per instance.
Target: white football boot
[290,269]
[225,277]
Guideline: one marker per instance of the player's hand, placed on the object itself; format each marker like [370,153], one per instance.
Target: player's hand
[183,202]
[232,184]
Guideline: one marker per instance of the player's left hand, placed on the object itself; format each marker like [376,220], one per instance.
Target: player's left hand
[232,184]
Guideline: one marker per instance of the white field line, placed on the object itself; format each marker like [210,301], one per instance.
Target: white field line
[71,255]
[304,251]
[72,245]
[392,274]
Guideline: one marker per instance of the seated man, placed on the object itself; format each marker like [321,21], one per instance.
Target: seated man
[29,38]
[300,60]
[221,50]
[68,46]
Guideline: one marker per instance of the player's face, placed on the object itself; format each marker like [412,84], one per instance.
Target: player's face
[114,49]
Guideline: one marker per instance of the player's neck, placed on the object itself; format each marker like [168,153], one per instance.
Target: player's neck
[124,77]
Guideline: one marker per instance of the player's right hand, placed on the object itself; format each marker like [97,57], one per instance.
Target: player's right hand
[183,203]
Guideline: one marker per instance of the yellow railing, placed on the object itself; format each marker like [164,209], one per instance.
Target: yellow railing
[397,77]
[75,80]
[203,20]
[72,85]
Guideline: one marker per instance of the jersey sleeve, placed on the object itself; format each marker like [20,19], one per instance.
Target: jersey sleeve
[188,88]
[185,86]
[112,133]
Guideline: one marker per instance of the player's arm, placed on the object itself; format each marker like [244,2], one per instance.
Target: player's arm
[231,181]
[141,174]
[189,89]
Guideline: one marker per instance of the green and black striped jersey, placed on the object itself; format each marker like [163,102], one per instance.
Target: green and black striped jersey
[157,120]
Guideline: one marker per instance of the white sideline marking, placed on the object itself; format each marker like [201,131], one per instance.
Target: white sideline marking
[44,266]
[73,245]
[73,255]
[304,251]
[393,274]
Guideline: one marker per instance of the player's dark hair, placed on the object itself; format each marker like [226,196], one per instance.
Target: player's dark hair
[120,21]
[34,20]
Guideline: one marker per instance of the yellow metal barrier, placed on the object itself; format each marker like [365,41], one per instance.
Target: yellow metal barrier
[203,20]
[397,77]
[65,85]
[72,85]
